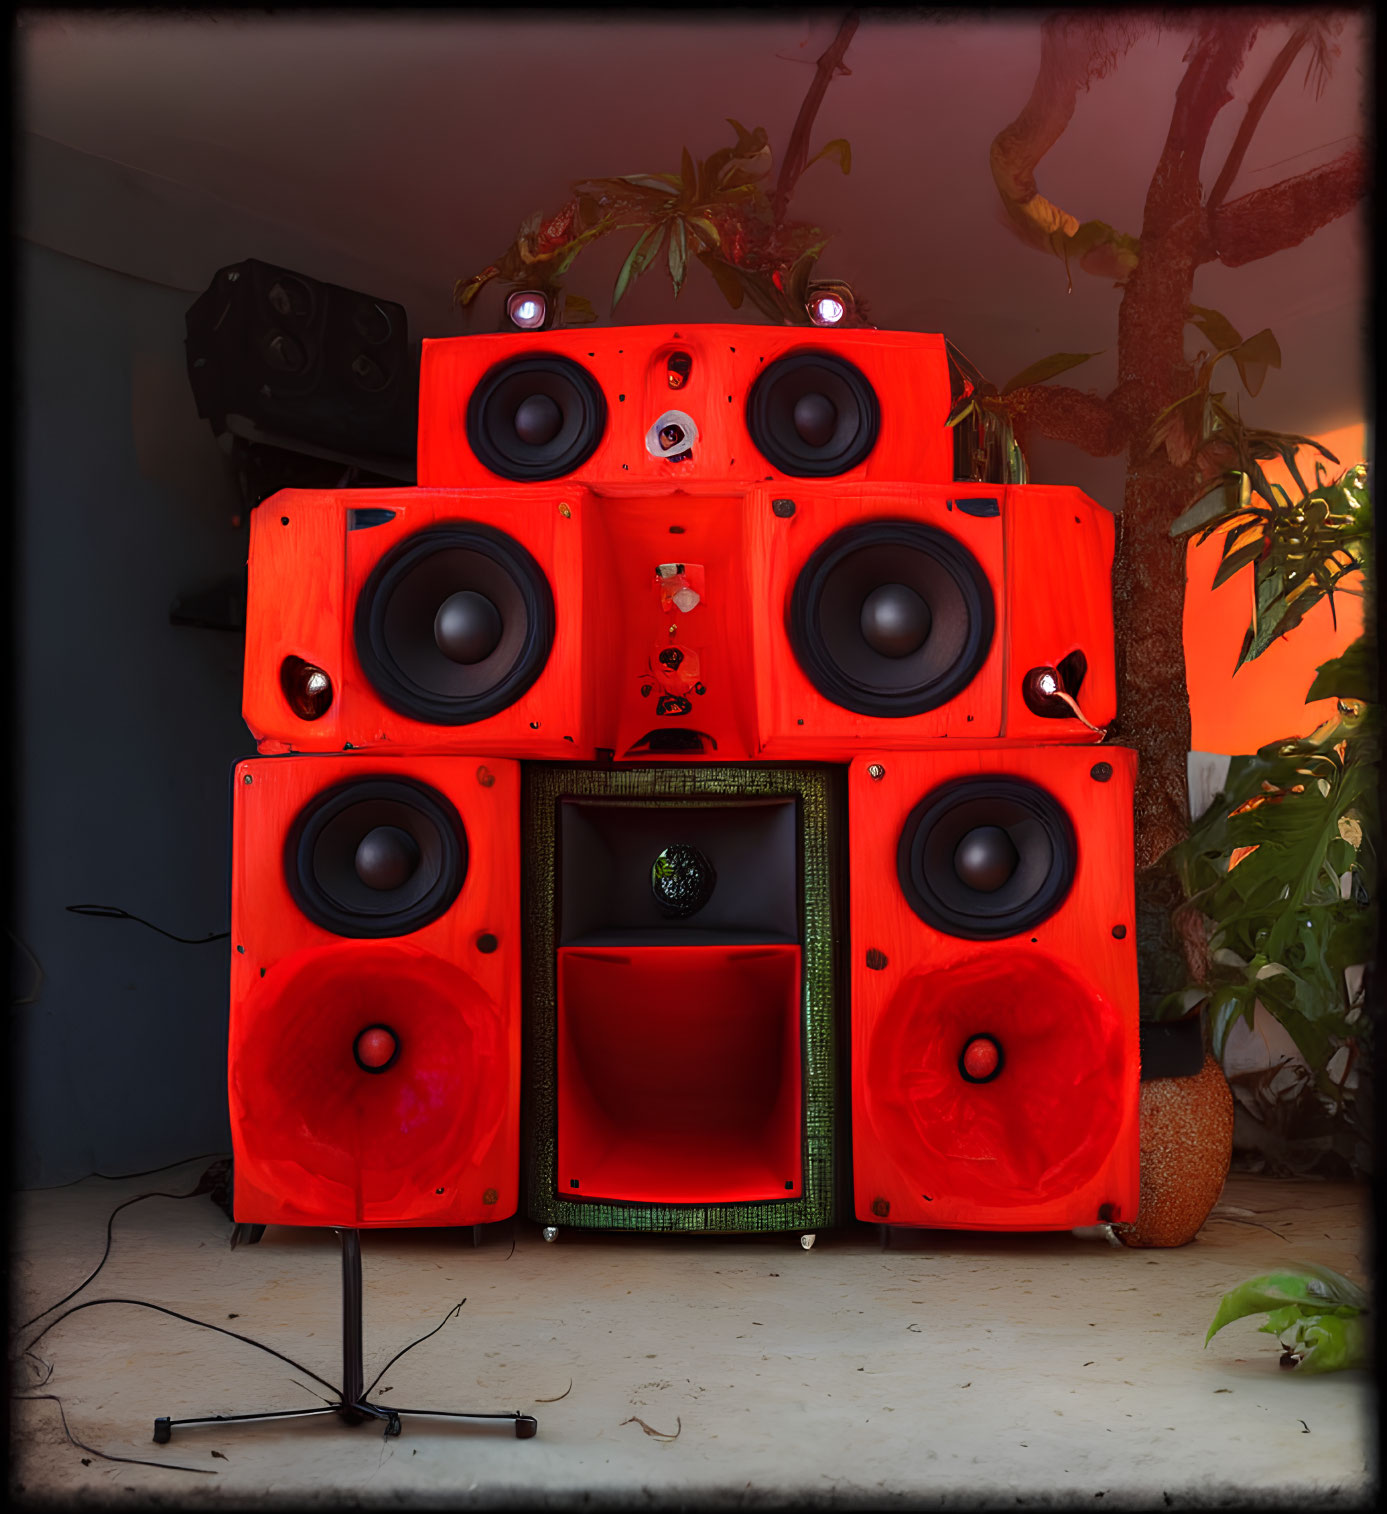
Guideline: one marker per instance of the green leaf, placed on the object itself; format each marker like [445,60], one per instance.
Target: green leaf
[1218,328]
[726,277]
[963,408]
[688,174]
[1236,560]
[1254,357]
[1351,675]
[1047,368]
[1331,1343]
[1304,1283]
[839,150]
[678,255]
[578,311]
[1212,506]
[637,261]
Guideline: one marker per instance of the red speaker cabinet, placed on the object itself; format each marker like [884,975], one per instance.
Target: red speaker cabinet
[418,618]
[652,409]
[375,990]
[995,1066]
[893,615]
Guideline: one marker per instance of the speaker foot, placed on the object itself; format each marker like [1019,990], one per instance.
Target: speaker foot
[246,1235]
[807,1241]
[551,1233]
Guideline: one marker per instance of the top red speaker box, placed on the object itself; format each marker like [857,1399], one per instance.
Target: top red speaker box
[652,409]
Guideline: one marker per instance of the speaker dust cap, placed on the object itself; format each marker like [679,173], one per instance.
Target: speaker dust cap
[813,415]
[536,418]
[454,624]
[891,618]
[376,857]
[987,857]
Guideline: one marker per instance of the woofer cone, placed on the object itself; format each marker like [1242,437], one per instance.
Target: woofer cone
[396,632]
[831,607]
[536,418]
[939,852]
[320,857]
[813,415]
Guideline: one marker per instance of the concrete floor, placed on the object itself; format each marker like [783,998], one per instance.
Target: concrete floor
[952,1368]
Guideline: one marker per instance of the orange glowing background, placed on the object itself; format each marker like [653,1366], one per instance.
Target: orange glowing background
[1265,699]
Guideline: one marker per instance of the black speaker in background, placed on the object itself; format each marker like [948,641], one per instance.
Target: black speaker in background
[278,357]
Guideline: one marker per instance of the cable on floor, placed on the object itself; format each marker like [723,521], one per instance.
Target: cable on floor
[114,912]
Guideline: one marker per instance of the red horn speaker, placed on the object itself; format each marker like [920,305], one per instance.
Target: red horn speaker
[654,409]
[374,1067]
[894,615]
[417,618]
[994,989]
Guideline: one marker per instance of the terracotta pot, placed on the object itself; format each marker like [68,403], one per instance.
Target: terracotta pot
[1186,1149]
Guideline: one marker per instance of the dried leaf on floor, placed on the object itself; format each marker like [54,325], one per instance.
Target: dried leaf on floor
[635,1419]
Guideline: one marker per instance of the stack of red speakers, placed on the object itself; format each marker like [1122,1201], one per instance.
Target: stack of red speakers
[648,556]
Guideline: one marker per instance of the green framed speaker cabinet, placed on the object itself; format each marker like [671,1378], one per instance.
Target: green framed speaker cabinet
[681,997]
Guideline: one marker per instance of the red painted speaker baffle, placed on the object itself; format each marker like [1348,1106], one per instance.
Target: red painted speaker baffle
[363,1088]
[679,1074]
[998,1080]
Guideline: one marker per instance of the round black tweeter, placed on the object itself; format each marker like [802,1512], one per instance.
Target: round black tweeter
[891,618]
[813,415]
[536,418]
[986,857]
[454,624]
[376,857]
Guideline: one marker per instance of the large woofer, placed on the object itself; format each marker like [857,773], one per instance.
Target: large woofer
[536,417]
[813,415]
[454,624]
[891,618]
[987,857]
[376,857]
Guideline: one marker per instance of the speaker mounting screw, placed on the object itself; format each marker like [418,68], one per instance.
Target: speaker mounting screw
[881,1208]
[247,779]
[876,960]
[876,772]
[485,777]
[565,512]
[1102,771]
[487,943]
[784,508]
[1119,932]
[490,1196]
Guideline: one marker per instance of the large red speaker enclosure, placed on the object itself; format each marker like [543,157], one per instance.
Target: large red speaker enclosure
[749,403]
[1019,580]
[995,1064]
[321,559]
[374,1067]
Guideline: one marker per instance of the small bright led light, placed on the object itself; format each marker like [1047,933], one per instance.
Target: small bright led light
[826,310]
[527,309]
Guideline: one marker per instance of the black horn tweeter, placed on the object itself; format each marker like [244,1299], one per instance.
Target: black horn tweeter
[454,624]
[536,418]
[891,618]
[813,415]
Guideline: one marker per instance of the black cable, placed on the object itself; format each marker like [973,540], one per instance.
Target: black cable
[121,1177]
[133,1461]
[451,1314]
[203,1187]
[114,912]
[140,1303]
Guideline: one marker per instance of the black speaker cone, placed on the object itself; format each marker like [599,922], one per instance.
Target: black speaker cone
[536,418]
[986,857]
[813,415]
[454,624]
[376,857]
[891,618]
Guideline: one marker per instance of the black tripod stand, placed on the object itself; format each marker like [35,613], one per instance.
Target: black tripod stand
[353,1406]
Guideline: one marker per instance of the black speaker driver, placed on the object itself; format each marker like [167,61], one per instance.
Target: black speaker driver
[536,418]
[986,857]
[813,415]
[337,837]
[401,637]
[891,618]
